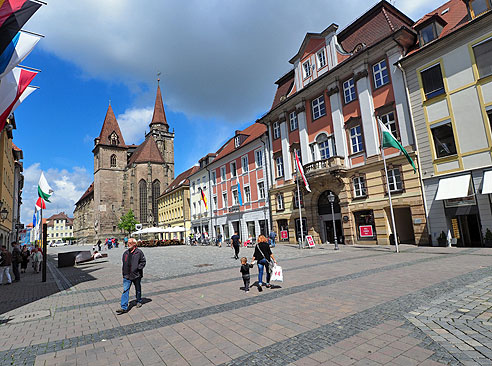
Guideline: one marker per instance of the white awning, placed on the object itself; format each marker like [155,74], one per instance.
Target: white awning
[487,182]
[454,187]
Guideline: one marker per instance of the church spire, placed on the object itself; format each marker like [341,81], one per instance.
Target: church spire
[159,116]
[110,131]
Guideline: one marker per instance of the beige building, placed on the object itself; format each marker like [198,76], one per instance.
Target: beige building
[174,206]
[125,177]
[60,228]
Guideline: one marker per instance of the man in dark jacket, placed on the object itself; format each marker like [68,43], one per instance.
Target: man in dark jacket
[133,265]
[16,260]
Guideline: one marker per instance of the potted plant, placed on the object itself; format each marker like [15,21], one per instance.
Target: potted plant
[442,240]
[488,238]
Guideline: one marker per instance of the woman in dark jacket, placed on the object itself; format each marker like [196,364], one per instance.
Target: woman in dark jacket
[263,254]
[25,258]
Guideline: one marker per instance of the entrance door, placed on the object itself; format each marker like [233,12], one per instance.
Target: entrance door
[470,231]
[329,231]
[263,228]
[235,226]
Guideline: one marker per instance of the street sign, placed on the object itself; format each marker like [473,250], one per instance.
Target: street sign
[310,241]
[284,235]
[366,231]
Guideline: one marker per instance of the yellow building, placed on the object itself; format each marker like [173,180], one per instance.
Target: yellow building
[60,228]
[7,165]
[174,206]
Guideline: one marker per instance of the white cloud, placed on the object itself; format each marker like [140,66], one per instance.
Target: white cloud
[133,122]
[68,187]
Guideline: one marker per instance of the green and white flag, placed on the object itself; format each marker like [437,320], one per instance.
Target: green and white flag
[390,141]
[44,189]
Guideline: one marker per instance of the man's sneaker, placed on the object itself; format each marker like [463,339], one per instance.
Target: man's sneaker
[259,288]
[121,311]
[139,305]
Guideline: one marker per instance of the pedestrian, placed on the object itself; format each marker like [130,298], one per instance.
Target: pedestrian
[236,242]
[37,259]
[5,263]
[263,254]
[133,265]
[99,245]
[245,266]
[219,237]
[25,258]
[16,260]
[125,240]
[272,237]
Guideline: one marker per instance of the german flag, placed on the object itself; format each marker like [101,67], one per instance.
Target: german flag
[204,198]
[13,15]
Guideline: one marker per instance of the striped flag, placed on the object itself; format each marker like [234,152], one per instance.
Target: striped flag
[44,190]
[204,198]
[239,195]
[301,172]
[40,204]
[17,50]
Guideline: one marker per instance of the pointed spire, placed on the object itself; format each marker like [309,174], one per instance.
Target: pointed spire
[159,114]
[109,127]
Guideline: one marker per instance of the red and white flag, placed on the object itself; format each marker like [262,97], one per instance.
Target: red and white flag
[40,204]
[301,172]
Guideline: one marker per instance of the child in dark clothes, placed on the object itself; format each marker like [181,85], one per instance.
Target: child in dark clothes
[245,272]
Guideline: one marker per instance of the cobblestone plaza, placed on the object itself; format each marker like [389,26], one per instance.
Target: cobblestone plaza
[356,306]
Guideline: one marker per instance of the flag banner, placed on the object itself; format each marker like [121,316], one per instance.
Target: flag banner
[239,195]
[8,7]
[12,86]
[301,172]
[390,141]
[27,92]
[44,189]
[15,21]
[40,204]
[204,199]
[34,219]
[17,50]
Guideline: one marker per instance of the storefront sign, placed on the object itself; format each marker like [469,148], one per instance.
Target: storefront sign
[366,231]
[310,241]
[284,235]
[456,229]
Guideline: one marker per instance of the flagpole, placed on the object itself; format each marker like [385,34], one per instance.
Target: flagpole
[301,244]
[395,236]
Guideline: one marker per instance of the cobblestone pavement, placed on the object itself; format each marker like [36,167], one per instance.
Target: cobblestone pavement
[356,306]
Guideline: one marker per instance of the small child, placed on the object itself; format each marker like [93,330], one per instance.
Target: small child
[245,272]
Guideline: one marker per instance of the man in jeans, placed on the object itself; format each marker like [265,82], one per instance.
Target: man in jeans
[272,238]
[16,261]
[133,265]
[5,262]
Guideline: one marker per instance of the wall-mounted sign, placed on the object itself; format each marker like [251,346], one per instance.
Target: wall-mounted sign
[310,241]
[366,231]
[284,235]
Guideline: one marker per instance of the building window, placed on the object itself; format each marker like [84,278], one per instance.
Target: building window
[222,173]
[298,153]
[432,81]
[478,7]
[247,194]
[259,158]
[142,188]
[349,90]
[280,166]
[364,222]
[224,199]
[280,201]
[261,190]
[323,146]
[244,162]
[156,192]
[356,139]
[214,199]
[489,114]
[389,121]
[235,197]
[380,73]
[443,140]
[233,169]
[483,58]
[237,141]
[296,199]
[113,161]
[293,121]
[276,130]
[429,33]
[318,107]
[321,58]
[114,138]
[306,69]
[214,178]
[359,187]
[394,180]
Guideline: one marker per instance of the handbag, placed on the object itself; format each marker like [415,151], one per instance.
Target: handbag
[277,274]
[271,263]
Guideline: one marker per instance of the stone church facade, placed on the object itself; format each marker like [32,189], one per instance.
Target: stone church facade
[125,177]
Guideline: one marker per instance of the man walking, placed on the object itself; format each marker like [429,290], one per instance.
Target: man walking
[5,262]
[272,238]
[16,261]
[235,243]
[133,265]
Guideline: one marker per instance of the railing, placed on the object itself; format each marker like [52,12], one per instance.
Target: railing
[335,162]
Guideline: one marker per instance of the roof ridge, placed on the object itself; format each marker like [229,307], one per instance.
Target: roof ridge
[159,115]
[109,126]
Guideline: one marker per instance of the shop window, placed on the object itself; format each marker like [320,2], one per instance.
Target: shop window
[298,228]
[443,137]
[251,229]
[483,58]
[283,229]
[360,189]
[432,81]
[364,223]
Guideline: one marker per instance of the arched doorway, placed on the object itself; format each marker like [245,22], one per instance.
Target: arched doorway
[326,215]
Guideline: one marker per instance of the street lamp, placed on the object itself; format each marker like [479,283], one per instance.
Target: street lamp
[331,199]
[3,214]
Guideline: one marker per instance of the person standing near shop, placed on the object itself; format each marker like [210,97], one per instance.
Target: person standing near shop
[272,236]
[236,242]
[5,263]
[16,261]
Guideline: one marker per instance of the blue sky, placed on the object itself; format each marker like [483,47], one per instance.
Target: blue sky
[219,61]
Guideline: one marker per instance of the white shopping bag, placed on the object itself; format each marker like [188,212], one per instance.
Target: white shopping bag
[277,274]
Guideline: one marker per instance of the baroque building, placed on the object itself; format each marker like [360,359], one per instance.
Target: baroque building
[125,177]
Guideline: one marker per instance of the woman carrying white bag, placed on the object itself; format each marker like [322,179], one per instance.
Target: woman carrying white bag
[264,256]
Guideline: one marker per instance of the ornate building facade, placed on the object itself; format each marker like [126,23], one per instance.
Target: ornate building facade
[125,177]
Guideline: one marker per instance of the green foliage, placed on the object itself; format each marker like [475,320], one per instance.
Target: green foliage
[488,235]
[127,222]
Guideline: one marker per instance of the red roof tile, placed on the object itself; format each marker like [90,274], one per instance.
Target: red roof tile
[87,193]
[252,132]
[455,17]
[159,115]
[285,84]
[110,125]
[15,147]
[147,152]
[182,179]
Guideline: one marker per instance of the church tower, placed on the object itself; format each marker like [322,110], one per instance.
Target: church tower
[159,130]
[110,161]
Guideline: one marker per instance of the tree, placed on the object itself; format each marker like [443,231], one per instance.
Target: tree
[127,222]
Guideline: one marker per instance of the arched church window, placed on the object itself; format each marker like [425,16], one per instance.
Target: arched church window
[113,138]
[142,188]
[156,191]
[113,161]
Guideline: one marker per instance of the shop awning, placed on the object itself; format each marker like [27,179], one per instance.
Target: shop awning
[487,182]
[454,187]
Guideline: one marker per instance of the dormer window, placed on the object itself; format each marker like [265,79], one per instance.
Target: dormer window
[113,138]
[321,58]
[237,141]
[431,31]
[478,7]
[306,69]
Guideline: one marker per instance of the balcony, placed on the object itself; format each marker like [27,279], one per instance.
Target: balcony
[329,165]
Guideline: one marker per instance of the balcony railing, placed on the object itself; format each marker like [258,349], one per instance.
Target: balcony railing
[333,163]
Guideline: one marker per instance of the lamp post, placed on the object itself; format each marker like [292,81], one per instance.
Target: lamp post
[331,199]
[3,214]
